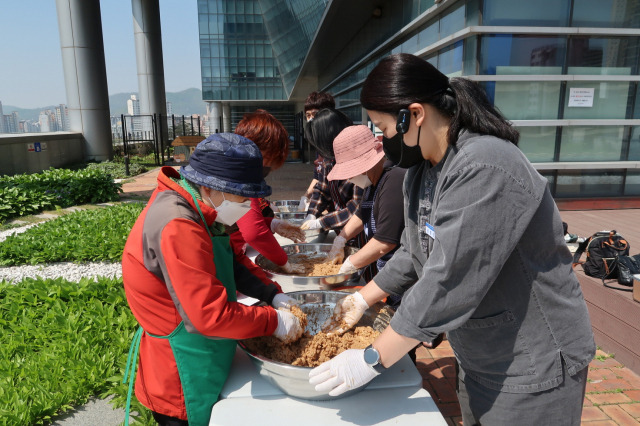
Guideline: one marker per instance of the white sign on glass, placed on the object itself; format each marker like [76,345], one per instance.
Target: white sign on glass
[581,97]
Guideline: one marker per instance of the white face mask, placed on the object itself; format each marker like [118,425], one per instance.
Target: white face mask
[229,212]
[362,181]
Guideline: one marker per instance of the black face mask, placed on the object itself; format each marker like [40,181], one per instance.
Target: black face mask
[399,153]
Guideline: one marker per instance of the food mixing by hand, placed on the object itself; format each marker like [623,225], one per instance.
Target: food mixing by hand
[310,222]
[346,314]
[281,300]
[287,230]
[289,328]
[347,266]
[336,254]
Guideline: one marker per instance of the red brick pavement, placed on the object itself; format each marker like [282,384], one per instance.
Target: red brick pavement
[612,395]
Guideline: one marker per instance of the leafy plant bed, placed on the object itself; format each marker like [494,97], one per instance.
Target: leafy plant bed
[26,194]
[117,169]
[82,236]
[62,342]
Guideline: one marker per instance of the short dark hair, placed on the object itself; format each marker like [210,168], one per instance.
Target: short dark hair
[323,129]
[402,79]
[319,100]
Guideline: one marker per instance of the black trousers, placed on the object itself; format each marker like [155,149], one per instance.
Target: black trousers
[168,421]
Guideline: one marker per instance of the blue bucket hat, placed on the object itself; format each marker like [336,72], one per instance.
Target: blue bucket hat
[228,163]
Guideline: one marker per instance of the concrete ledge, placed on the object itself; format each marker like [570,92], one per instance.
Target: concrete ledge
[35,152]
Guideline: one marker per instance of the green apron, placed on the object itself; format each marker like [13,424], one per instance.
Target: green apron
[203,363]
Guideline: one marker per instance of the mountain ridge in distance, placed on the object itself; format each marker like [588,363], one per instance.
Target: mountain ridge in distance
[184,102]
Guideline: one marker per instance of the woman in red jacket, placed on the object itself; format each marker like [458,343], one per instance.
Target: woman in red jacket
[256,228]
[181,274]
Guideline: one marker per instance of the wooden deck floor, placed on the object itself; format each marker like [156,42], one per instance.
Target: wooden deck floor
[615,316]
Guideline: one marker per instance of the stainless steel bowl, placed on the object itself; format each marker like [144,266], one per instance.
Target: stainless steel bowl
[287,206]
[297,218]
[293,380]
[290,282]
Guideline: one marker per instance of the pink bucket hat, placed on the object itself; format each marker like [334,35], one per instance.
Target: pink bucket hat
[357,150]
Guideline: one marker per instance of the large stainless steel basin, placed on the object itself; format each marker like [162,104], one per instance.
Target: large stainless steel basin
[293,380]
[290,282]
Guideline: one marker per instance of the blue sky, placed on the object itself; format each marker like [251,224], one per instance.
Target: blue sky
[30,60]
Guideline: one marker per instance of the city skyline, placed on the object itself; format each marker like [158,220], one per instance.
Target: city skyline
[31,74]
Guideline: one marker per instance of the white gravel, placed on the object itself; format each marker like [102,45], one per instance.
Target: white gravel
[9,232]
[69,271]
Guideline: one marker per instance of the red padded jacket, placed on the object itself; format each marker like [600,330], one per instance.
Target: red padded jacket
[169,277]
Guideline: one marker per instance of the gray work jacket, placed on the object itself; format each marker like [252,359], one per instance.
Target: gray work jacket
[483,258]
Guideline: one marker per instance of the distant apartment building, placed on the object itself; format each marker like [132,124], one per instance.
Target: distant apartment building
[62,118]
[28,126]
[133,109]
[48,122]
[10,122]
[169,109]
[116,127]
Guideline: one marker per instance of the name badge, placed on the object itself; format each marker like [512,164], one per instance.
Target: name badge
[428,229]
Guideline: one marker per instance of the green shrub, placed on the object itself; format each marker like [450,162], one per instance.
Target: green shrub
[16,201]
[62,342]
[118,169]
[55,188]
[82,236]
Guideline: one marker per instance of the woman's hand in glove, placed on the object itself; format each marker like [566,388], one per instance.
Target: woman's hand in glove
[289,328]
[293,269]
[304,204]
[281,300]
[346,371]
[346,314]
[287,230]
[336,254]
[347,267]
[310,222]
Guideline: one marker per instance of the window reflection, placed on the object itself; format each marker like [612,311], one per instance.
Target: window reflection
[632,184]
[605,100]
[603,56]
[450,60]
[606,13]
[527,100]
[542,13]
[634,145]
[538,143]
[591,143]
[508,54]
[580,183]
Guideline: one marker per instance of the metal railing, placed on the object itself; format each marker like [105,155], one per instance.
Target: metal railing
[144,134]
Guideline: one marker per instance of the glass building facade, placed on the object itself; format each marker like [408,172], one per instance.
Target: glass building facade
[571,88]
[565,72]
[251,51]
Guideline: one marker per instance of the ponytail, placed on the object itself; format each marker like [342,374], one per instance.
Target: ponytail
[474,112]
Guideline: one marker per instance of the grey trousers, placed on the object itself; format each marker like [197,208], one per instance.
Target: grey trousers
[562,405]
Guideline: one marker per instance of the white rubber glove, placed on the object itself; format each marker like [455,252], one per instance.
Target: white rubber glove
[344,372]
[293,269]
[281,300]
[310,222]
[289,328]
[287,230]
[304,204]
[347,267]
[348,310]
[336,254]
